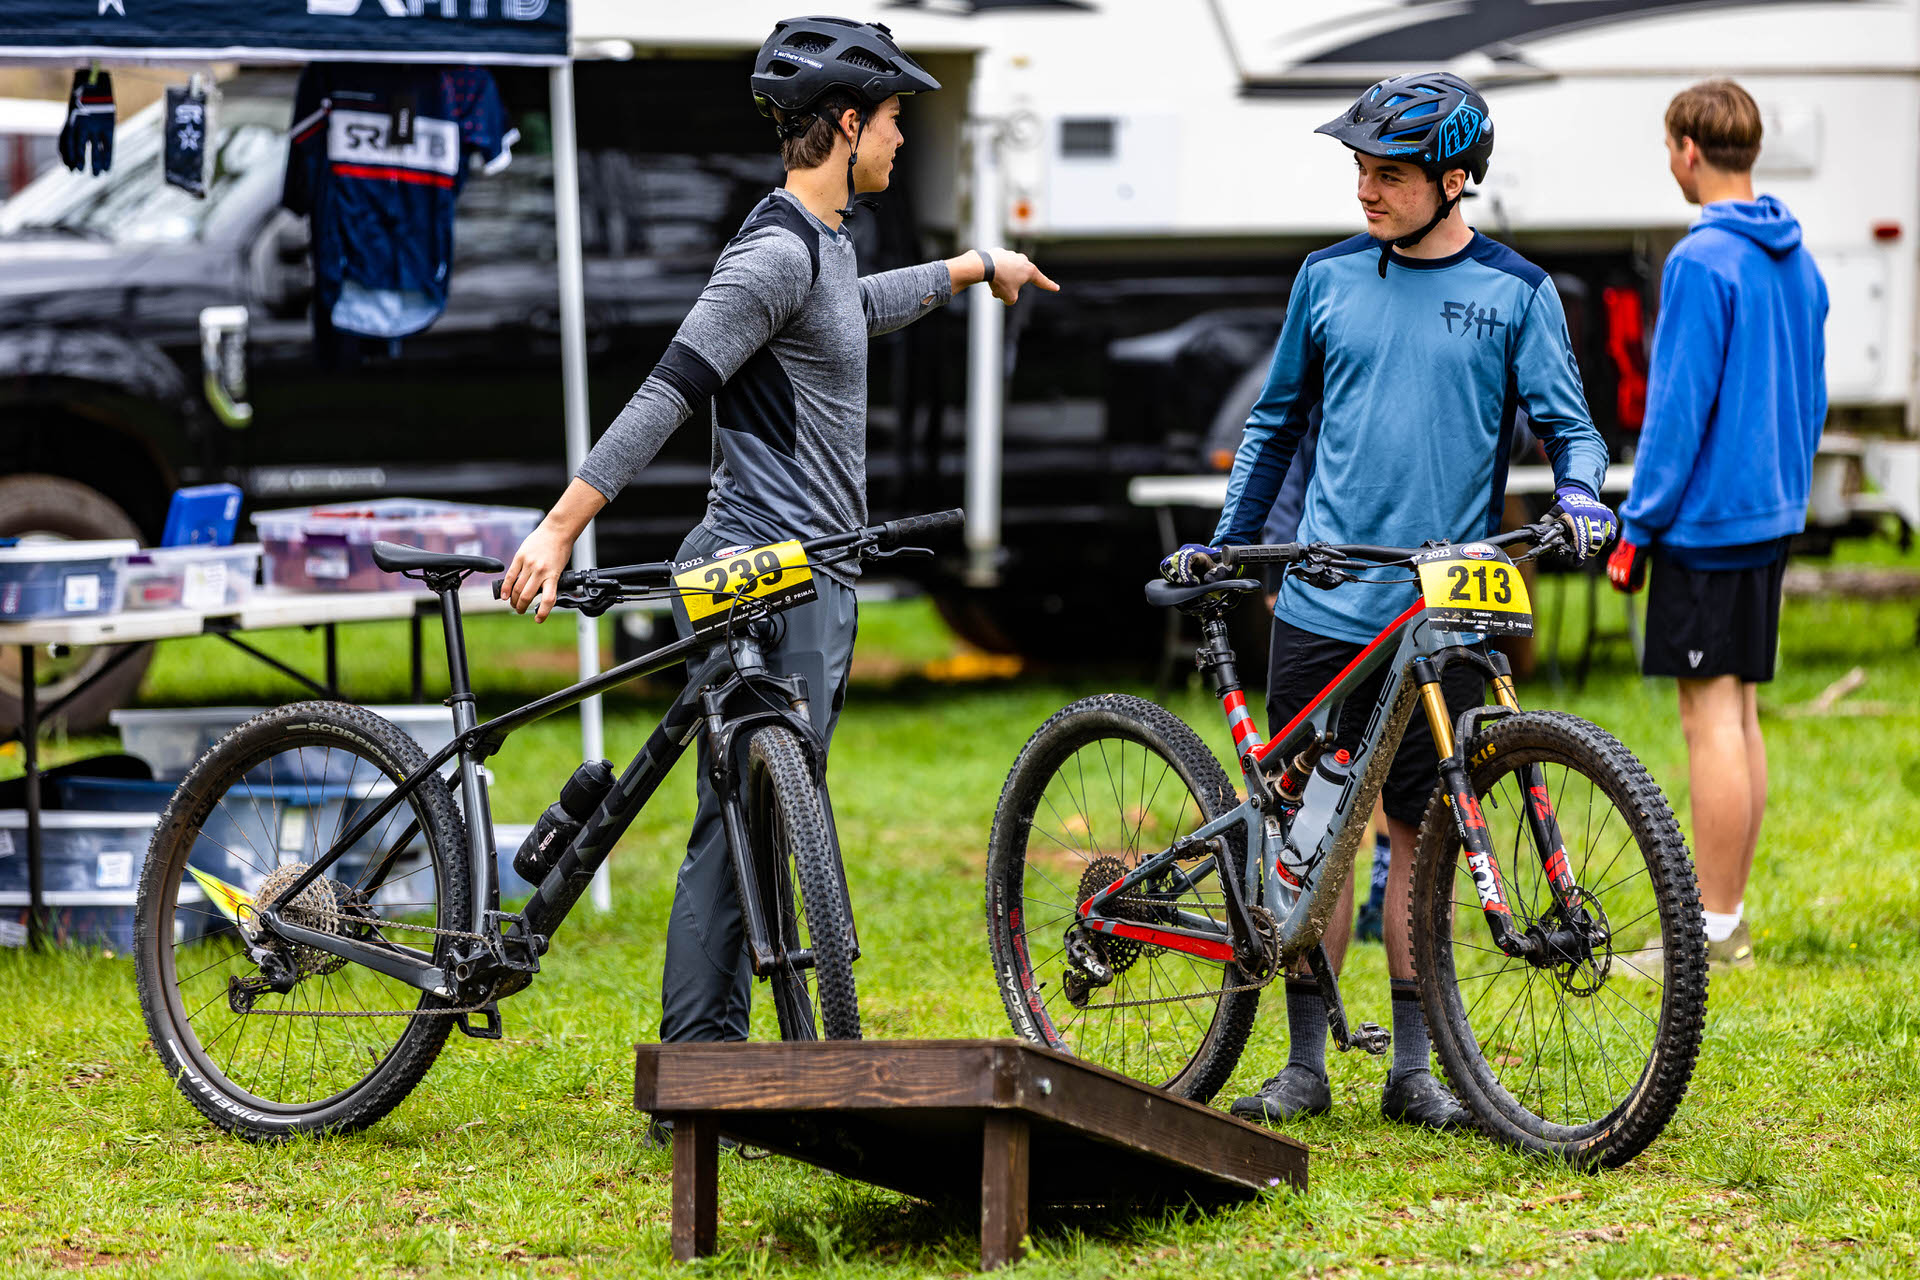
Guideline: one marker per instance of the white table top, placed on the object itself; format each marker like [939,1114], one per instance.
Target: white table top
[1210,491]
[262,611]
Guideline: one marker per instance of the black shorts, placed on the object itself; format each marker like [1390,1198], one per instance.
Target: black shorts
[1703,623]
[1302,663]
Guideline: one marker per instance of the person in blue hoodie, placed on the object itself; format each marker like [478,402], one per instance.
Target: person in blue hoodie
[1417,340]
[1736,398]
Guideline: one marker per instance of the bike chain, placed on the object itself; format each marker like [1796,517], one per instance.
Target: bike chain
[381,1013]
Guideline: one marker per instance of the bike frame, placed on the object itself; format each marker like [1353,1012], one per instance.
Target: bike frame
[708,703]
[1302,905]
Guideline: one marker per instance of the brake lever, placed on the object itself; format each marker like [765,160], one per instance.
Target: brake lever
[877,554]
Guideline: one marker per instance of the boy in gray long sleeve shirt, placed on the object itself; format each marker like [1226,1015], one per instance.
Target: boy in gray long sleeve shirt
[774,356]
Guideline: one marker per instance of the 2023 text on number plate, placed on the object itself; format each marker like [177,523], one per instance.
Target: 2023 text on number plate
[1474,587]
[776,576]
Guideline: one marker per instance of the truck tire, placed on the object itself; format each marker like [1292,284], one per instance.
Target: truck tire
[51,506]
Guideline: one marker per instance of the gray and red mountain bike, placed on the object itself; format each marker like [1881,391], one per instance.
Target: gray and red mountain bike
[1137,903]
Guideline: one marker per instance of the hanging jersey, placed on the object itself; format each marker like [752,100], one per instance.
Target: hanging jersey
[377,157]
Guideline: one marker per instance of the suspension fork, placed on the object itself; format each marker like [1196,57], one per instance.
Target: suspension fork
[1541,821]
[1467,818]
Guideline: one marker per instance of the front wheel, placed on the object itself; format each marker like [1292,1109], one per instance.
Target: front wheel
[1585,1057]
[801,890]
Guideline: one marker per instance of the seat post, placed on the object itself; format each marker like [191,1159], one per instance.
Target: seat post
[457,678]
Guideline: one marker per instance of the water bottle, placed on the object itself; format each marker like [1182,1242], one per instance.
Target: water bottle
[562,821]
[1317,803]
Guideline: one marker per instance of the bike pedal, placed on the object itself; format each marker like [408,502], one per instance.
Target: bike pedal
[489,1027]
[1372,1037]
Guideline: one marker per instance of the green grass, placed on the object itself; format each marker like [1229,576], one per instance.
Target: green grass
[1793,1154]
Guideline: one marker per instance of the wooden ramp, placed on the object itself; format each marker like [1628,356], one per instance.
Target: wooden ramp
[1001,1123]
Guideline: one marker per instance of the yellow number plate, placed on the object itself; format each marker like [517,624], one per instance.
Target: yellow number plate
[777,576]
[1475,588]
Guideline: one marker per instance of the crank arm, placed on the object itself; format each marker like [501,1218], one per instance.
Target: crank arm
[1367,1037]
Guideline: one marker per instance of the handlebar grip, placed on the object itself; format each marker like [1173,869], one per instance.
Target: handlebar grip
[1278,553]
[896,532]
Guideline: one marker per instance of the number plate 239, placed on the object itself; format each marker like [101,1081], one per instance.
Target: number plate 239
[1475,587]
[776,576]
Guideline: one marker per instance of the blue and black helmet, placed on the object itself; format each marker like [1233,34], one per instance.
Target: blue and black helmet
[1433,118]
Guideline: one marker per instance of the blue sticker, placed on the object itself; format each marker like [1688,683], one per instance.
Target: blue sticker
[1459,131]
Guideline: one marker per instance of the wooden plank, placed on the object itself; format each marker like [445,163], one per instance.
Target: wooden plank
[1004,1179]
[825,1075]
[696,1189]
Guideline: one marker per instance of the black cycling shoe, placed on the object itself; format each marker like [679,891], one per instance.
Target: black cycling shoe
[1418,1099]
[1296,1091]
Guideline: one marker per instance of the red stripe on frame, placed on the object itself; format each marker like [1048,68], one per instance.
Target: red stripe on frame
[1202,947]
[393,174]
[1260,753]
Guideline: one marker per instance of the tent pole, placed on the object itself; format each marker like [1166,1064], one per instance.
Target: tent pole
[986,366]
[573,376]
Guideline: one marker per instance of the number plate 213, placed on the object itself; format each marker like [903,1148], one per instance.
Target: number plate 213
[1475,587]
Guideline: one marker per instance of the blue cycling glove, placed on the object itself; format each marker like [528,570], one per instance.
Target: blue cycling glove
[1193,564]
[1589,520]
[87,136]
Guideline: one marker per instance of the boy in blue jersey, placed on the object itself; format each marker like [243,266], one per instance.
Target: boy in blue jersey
[1417,340]
[1736,398]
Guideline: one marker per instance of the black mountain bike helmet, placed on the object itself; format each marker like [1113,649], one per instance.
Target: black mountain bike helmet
[807,59]
[1432,118]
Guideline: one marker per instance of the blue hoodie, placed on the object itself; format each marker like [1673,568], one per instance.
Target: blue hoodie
[1736,393]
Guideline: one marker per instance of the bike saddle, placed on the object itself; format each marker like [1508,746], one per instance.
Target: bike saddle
[1165,593]
[397,558]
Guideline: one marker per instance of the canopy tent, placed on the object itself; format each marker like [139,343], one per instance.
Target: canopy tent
[480,32]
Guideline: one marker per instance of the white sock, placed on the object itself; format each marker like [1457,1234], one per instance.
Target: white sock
[1721,924]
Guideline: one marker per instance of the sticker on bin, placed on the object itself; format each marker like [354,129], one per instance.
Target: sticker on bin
[82,592]
[12,933]
[114,870]
[6,844]
[328,566]
[205,585]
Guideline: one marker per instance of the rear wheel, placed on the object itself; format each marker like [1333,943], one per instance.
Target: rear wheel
[1104,784]
[801,890]
[341,1045]
[49,507]
[1587,1057]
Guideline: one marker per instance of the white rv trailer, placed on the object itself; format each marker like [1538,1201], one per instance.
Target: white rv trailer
[1138,125]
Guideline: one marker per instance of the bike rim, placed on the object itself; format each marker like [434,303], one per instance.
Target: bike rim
[283,806]
[1566,1047]
[1109,805]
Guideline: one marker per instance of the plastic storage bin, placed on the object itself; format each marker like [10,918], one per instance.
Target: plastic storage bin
[188,577]
[171,740]
[79,852]
[74,919]
[53,579]
[331,548]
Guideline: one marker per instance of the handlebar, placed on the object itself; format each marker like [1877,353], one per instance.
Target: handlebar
[600,587]
[1543,534]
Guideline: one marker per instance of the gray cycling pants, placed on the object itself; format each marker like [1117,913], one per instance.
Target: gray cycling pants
[706,982]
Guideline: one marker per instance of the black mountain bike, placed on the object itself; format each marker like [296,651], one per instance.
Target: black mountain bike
[316,912]
[1137,904]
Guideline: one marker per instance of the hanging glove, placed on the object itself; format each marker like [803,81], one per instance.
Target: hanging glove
[1193,564]
[87,136]
[1627,567]
[1589,520]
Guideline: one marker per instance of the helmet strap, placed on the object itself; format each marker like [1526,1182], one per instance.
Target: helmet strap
[1409,240]
[853,158]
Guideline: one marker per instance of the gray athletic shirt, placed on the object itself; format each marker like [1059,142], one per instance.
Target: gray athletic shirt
[781,357]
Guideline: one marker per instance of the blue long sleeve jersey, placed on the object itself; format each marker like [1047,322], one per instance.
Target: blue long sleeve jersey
[1418,377]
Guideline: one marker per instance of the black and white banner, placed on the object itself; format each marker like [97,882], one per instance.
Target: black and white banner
[467,31]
